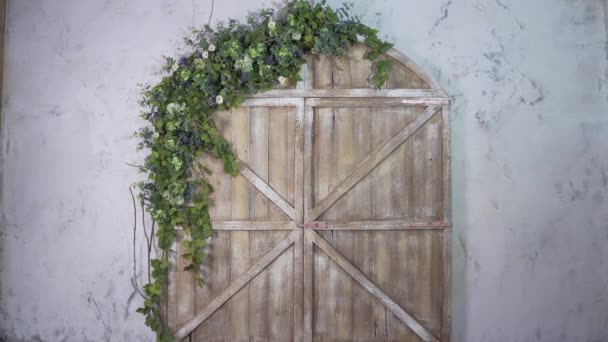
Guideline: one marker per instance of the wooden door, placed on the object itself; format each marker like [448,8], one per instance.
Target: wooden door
[338,226]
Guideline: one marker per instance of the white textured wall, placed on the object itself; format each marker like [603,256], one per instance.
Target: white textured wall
[530,157]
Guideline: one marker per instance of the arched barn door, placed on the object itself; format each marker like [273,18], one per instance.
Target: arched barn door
[338,226]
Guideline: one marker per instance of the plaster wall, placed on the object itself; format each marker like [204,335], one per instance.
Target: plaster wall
[530,158]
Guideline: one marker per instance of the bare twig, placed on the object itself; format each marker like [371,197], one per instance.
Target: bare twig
[148,241]
[211,14]
[135,275]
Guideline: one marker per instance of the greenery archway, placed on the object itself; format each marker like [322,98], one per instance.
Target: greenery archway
[226,64]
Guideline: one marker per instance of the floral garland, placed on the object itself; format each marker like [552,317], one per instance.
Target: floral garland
[225,65]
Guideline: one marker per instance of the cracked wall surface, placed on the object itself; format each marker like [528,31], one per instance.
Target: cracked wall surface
[530,158]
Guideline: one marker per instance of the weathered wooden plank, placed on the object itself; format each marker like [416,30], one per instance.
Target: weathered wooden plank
[296,163]
[344,147]
[218,279]
[380,225]
[435,163]
[360,68]
[239,245]
[381,174]
[272,102]
[446,310]
[372,161]
[267,191]
[340,69]
[436,283]
[400,117]
[280,157]
[259,210]
[446,305]
[381,276]
[310,153]
[238,284]
[399,280]
[410,64]
[403,276]
[322,74]
[375,101]
[253,225]
[299,287]
[363,325]
[324,168]
[216,269]
[307,247]
[307,80]
[447,162]
[421,94]
[310,262]
[185,283]
[372,288]
[325,273]
[421,175]
[381,212]
[279,290]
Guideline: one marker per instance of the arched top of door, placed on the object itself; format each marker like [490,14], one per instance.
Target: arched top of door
[351,76]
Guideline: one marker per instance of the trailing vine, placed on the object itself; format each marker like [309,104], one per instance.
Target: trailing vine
[225,65]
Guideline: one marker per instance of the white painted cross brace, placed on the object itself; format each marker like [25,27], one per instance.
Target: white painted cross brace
[269,192]
[369,163]
[236,285]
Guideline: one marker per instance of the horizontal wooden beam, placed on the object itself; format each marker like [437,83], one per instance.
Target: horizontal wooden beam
[369,163]
[372,288]
[362,92]
[373,101]
[253,225]
[268,101]
[377,225]
[237,284]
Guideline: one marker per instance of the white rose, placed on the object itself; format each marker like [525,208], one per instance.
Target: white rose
[282,80]
[211,48]
[272,24]
[219,99]
[296,36]
[155,135]
[205,54]
[174,67]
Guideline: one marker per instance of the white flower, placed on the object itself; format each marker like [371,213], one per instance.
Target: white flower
[211,48]
[205,54]
[219,99]
[155,135]
[360,38]
[172,108]
[174,67]
[272,24]
[296,36]
[282,80]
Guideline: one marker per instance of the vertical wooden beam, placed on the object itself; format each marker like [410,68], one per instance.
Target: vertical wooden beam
[308,285]
[446,319]
[299,162]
